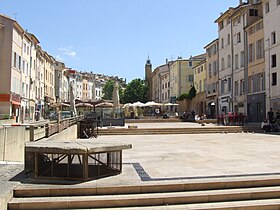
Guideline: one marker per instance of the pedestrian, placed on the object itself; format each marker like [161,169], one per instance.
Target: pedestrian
[270,115]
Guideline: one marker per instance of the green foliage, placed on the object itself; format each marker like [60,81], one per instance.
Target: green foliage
[108,90]
[190,95]
[135,91]
[183,96]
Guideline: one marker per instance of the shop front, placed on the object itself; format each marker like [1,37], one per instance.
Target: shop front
[256,107]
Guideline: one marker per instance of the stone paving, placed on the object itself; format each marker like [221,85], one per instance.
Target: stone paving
[9,170]
[185,158]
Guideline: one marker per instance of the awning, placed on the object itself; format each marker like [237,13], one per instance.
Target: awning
[16,103]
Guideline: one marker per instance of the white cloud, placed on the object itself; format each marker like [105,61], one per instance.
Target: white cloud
[67,51]
[59,58]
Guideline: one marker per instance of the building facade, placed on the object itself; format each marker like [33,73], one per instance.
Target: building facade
[199,102]
[225,61]
[212,78]
[271,17]
[256,103]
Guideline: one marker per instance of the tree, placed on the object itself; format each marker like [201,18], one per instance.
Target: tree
[190,95]
[192,92]
[108,90]
[135,91]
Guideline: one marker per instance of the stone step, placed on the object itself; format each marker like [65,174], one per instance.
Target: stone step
[195,130]
[69,190]
[265,204]
[146,199]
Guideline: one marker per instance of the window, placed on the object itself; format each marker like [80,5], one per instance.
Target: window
[251,84]
[242,86]
[253,12]
[229,61]
[201,68]
[19,62]
[222,43]
[191,78]
[215,67]
[236,61]
[190,63]
[221,25]
[209,52]
[260,49]
[262,82]
[222,86]
[228,39]
[238,37]
[277,2]
[223,63]
[273,38]
[242,59]
[236,85]
[229,84]
[274,79]
[266,7]
[251,52]
[210,70]
[24,47]
[273,61]
[15,59]
[23,66]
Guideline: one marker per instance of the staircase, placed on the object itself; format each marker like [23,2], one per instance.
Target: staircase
[236,194]
[188,130]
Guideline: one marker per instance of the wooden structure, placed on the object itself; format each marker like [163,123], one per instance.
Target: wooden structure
[78,160]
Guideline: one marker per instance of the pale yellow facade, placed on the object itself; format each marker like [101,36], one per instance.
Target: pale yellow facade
[212,78]
[199,102]
[182,75]
[85,88]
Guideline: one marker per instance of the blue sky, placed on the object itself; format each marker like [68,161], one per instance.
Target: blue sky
[115,37]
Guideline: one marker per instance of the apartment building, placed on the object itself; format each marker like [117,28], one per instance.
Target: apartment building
[32,89]
[271,17]
[157,84]
[99,84]
[40,81]
[12,55]
[245,14]
[199,102]
[212,78]
[225,61]
[49,80]
[182,75]
[256,103]
[61,82]
[165,87]
[85,87]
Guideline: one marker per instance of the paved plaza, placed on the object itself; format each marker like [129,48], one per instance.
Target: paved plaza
[185,158]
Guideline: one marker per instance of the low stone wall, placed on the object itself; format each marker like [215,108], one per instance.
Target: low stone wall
[9,121]
[12,142]
[69,134]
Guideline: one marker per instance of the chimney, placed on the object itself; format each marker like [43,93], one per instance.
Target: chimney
[240,2]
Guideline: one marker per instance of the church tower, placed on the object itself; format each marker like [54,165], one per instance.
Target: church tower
[148,77]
